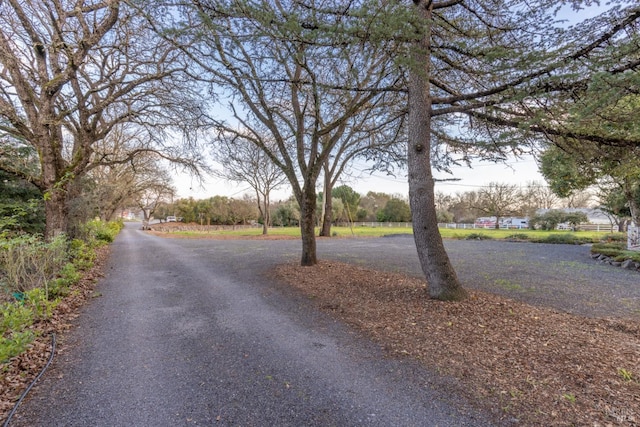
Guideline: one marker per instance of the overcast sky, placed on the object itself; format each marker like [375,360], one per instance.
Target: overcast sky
[519,172]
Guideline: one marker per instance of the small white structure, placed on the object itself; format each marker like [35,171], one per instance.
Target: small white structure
[514,222]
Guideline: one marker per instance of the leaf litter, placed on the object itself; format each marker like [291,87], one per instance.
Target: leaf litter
[528,365]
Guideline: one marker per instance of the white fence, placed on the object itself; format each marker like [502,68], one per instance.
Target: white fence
[374,224]
[583,227]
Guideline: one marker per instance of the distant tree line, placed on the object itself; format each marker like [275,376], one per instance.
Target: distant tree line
[498,200]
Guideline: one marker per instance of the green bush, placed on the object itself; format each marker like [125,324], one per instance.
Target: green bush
[67,277]
[14,333]
[550,220]
[14,344]
[615,237]
[565,238]
[616,250]
[618,246]
[38,301]
[625,255]
[38,273]
[518,236]
[15,316]
[478,236]
[82,254]
[96,232]
[610,252]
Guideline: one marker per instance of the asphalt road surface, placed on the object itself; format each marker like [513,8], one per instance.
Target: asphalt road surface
[192,332]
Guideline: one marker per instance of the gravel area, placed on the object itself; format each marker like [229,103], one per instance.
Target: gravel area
[562,277]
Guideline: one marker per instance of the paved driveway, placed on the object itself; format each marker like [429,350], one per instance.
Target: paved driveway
[192,332]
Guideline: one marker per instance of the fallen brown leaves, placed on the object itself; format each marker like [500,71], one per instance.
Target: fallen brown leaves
[525,363]
[20,371]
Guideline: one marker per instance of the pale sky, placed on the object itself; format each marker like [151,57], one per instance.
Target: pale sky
[519,172]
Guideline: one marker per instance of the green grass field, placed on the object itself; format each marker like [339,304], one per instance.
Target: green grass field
[447,233]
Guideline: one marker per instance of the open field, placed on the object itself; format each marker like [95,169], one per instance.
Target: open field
[447,233]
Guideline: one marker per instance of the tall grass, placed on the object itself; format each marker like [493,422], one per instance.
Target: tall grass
[29,262]
[35,275]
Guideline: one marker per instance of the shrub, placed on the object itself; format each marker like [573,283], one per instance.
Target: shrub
[625,255]
[618,246]
[614,237]
[38,301]
[14,344]
[67,277]
[616,250]
[478,236]
[565,238]
[14,317]
[100,232]
[518,236]
[38,273]
[551,219]
[14,333]
[82,254]
[29,262]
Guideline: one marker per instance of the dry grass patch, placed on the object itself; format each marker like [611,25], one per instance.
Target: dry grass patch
[20,371]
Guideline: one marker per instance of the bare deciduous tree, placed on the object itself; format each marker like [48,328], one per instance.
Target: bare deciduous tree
[301,98]
[71,71]
[499,200]
[151,197]
[115,185]
[537,195]
[243,161]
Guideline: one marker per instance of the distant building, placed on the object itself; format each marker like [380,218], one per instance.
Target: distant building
[130,214]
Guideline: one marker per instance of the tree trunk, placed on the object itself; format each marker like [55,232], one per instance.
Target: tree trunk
[327,209]
[441,277]
[56,214]
[631,195]
[307,226]
[263,209]
[266,215]
[56,200]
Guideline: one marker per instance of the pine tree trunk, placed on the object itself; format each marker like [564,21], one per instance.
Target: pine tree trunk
[441,277]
